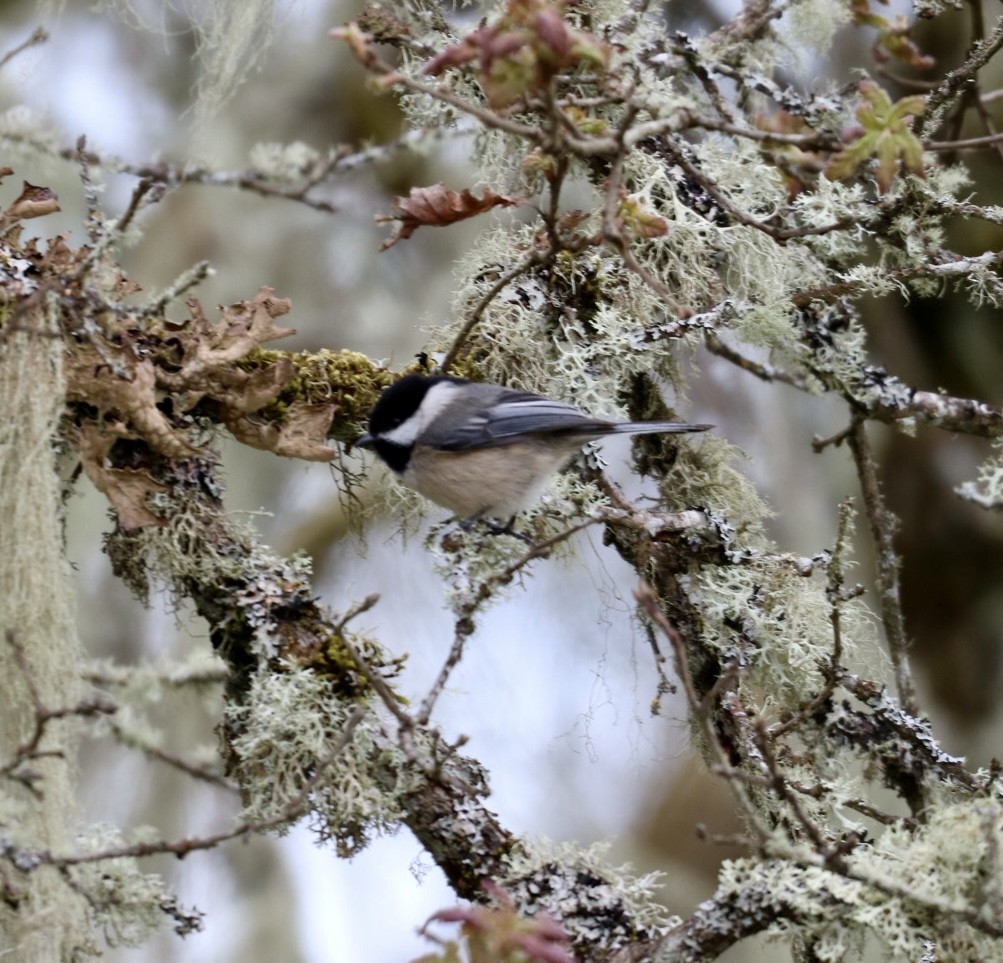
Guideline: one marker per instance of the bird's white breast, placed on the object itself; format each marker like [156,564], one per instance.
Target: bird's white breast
[498,481]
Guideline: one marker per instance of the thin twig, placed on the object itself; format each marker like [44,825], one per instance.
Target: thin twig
[464,622]
[781,787]
[475,316]
[838,596]
[810,141]
[202,773]
[43,715]
[453,658]
[763,371]
[140,194]
[734,211]
[957,81]
[883,524]
[182,847]
[989,140]
[612,229]
[390,699]
[39,36]
[648,603]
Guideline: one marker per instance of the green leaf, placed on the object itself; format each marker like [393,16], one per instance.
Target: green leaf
[885,136]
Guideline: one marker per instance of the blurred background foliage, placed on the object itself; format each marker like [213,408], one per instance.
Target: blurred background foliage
[551,694]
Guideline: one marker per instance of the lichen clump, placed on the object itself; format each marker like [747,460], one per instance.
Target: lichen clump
[292,757]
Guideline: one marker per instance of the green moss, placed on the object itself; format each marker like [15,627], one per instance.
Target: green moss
[347,378]
[337,662]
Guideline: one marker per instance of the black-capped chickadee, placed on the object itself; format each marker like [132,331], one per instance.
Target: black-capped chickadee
[482,449]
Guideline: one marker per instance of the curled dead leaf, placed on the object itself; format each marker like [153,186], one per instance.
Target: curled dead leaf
[301,434]
[437,206]
[126,489]
[247,391]
[130,388]
[207,344]
[131,399]
[33,201]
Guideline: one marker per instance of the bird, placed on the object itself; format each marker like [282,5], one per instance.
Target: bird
[479,449]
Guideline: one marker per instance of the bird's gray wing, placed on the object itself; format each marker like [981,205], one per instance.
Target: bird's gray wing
[513,415]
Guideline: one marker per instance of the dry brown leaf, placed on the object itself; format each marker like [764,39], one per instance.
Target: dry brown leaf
[247,391]
[89,379]
[437,206]
[140,405]
[126,489]
[121,385]
[303,433]
[199,362]
[207,346]
[33,201]
[247,324]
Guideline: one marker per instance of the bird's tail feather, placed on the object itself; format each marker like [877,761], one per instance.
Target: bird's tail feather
[657,427]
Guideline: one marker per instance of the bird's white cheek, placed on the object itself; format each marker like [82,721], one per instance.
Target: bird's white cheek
[437,397]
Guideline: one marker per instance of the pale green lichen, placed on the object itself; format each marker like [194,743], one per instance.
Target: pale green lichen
[284,163]
[910,886]
[575,326]
[830,202]
[819,900]
[15,825]
[981,283]
[230,37]
[777,624]
[840,354]
[179,550]
[286,737]
[906,883]
[26,135]
[390,495]
[40,917]
[928,9]
[198,670]
[948,181]
[191,549]
[808,28]
[126,905]
[987,489]
[705,475]
[600,905]
[427,113]
[686,256]
[474,563]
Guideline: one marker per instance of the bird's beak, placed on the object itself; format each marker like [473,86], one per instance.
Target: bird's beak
[365,441]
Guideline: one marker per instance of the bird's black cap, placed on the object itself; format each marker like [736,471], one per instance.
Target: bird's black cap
[401,400]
